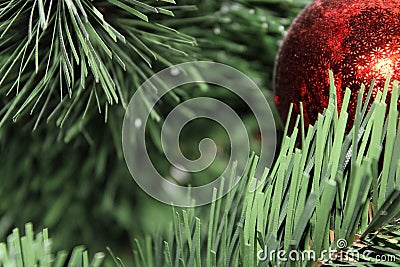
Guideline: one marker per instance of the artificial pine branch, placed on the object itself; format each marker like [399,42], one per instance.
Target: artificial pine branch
[311,199]
[36,250]
[66,59]
[317,161]
[74,179]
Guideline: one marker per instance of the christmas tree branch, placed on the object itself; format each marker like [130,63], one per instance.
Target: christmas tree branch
[64,59]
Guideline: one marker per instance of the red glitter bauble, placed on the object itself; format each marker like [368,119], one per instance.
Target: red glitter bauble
[358,40]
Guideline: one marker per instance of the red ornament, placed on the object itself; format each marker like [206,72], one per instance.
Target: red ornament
[357,39]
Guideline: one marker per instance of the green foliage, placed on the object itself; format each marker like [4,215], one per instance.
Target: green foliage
[65,60]
[69,173]
[312,198]
[36,250]
[327,186]
[383,247]
[66,188]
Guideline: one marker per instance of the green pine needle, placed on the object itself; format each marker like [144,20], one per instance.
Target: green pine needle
[285,215]
[36,250]
[78,47]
